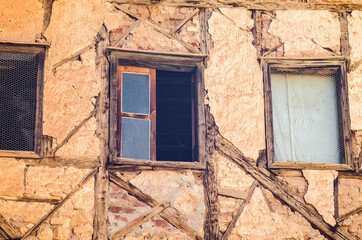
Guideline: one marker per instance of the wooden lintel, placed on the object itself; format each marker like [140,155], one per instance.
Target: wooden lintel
[22,46]
[7,230]
[347,215]
[119,162]
[139,221]
[266,6]
[239,211]
[176,221]
[279,189]
[61,203]
[31,199]
[77,162]
[232,193]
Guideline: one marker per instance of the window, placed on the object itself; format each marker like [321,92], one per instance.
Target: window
[154,107]
[306,109]
[21,73]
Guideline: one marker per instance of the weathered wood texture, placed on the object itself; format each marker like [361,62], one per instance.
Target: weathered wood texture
[344,33]
[139,221]
[120,40]
[6,230]
[147,199]
[100,228]
[61,203]
[258,5]
[74,131]
[119,162]
[183,22]
[279,189]
[157,28]
[239,211]
[211,226]
[257,32]
[31,199]
[77,162]
[347,215]
[38,131]
[46,146]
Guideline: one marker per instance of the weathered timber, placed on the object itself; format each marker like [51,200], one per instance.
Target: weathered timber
[266,6]
[7,230]
[74,131]
[38,128]
[18,154]
[61,203]
[347,215]
[273,49]
[232,193]
[113,118]
[46,146]
[157,28]
[211,226]
[22,46]
[169,217]
[279,190]
[140,220]
[73,56]
[77,162]
[257,32]
[183,22]
[31,199]
[159,164]
[305,165]
[121,38]
[239,211]
[100,228]
[344,33]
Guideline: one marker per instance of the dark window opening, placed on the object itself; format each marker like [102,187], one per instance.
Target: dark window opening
[174,129]
[18,89]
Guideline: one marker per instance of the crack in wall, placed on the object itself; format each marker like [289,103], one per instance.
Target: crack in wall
[48,8]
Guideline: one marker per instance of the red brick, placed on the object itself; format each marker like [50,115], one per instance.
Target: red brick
[159,223]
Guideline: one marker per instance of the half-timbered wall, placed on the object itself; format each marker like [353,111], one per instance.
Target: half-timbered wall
[71,192]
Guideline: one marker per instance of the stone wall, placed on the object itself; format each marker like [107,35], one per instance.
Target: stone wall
[233,80]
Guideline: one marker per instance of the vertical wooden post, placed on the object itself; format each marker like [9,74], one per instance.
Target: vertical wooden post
[257,32]
[101,179]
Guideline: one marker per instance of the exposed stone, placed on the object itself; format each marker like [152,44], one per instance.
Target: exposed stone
[11,177]
[81,217]
[44,233]
[320,192]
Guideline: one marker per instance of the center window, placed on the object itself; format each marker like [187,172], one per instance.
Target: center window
[155,114]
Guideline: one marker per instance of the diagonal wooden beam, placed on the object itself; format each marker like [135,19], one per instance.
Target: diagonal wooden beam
[347,215]
[169,217]
[158,29]
[6,230]
[139,221]
[121,38]
[279,189]
[239,211]
[61,203]
[183,22]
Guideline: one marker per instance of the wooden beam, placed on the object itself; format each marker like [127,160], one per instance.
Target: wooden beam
[266,6]
[232,193]
[279,189]
[119,162]
[31,199]
[7,230]
[121,38]
[77,162]
[257,32]
[347,215]
[183,22]
[61,203]
[139,221]
[74,131]
[344,33]
[157,28]
[176,221]
[239,211]
[100,227]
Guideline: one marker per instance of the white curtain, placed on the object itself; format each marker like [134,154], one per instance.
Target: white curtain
[305,118]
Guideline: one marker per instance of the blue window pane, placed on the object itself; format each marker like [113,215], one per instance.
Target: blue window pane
[135,93]
[135,138]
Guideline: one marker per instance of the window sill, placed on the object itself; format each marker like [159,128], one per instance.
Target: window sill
[311,166]
[135,164]
[18,154]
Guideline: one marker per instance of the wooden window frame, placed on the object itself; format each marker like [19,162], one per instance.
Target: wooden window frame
[343,110]
[38,50]
[160,61]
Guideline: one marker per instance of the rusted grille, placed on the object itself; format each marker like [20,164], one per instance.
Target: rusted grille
[307,114]
[18,87]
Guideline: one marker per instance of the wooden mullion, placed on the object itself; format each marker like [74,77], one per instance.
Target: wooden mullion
[152,73]
[193,117]
[113,129]
[119,109]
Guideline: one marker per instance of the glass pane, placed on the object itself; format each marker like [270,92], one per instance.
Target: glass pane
[135,138]
[135,93]
[305,118]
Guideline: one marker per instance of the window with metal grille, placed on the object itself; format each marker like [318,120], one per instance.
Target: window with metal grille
[306,113]
[20,96]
